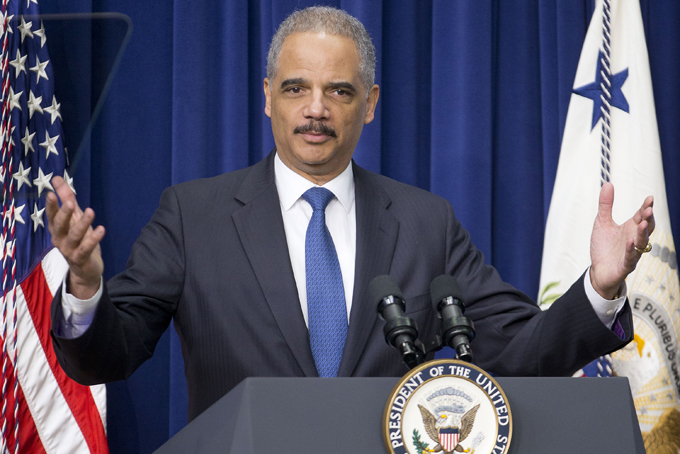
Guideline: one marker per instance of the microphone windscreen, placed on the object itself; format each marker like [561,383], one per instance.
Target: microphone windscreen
[383,286]
[443,286]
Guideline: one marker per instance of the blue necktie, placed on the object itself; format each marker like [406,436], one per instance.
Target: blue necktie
[327,311]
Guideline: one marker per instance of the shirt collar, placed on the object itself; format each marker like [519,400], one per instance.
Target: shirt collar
[291,185]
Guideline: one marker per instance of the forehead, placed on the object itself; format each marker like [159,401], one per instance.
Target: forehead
[311,54]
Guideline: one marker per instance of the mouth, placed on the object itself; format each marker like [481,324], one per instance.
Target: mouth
[315,137]
[315,132]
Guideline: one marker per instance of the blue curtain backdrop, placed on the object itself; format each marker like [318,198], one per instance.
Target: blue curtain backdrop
[474,96]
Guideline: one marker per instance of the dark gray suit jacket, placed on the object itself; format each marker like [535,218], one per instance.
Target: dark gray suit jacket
[214,257]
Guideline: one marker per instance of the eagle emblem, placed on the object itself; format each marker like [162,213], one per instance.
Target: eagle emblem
[447,406]
[447,436]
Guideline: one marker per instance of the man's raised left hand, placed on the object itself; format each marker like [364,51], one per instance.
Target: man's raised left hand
[615,249]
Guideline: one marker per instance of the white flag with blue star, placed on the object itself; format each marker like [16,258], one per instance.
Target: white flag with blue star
[632,162]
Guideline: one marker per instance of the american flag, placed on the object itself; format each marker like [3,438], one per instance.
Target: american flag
[43,411]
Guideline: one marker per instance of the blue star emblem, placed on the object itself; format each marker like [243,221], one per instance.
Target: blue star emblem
[594,91]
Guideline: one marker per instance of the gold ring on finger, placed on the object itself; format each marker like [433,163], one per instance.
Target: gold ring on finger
[646,248]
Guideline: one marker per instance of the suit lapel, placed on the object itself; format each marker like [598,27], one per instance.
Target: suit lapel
[377,233]
[260,228]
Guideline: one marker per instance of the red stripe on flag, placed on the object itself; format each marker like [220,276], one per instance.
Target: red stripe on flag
[29,441]
[78,397]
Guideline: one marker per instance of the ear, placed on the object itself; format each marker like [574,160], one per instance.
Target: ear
[371,102]
[268,98]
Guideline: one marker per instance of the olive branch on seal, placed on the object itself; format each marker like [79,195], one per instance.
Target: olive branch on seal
[420,445]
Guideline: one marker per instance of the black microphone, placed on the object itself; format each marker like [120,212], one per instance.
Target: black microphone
[458,331]
[400,331]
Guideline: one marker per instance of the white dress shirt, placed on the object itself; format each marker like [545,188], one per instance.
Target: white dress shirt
[341,221]
[296,212]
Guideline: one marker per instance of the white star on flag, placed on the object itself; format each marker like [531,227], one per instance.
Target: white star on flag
[9,250]
[27,141]
[41,33]
[69,181]
[19,63]
[49,143]
[14,99]
[34,104]
[43,181]
[39,69]
[17,214]
[25,29]
[36,217]
[53,110]
[8,21]
[22,176]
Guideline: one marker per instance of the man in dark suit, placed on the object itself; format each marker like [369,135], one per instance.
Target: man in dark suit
[244,264]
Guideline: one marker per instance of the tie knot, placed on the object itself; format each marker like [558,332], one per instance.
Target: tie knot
[318,198]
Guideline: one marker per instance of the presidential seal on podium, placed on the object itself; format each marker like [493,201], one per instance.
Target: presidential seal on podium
[447,406]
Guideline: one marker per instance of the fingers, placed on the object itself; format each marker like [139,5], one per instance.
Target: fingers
[631,256]
[642,238]
[648,213]
[645,210]
[61,219]
[78,242]
[84,248]
[71,229]
[51,206]
[65,193]
[77,230]
[62,189]
[644,218]
[651,224]
[58,219]
[606,201]
[75,237]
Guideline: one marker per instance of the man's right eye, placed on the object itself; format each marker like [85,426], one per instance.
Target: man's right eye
[294,90]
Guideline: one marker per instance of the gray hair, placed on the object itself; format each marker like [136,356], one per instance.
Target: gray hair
[324,19]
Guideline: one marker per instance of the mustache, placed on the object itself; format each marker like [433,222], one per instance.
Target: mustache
[316,127]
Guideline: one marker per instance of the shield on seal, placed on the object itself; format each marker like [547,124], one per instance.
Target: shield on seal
[448,437]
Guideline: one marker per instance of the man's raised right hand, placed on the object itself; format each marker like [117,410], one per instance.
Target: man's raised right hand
[72,233]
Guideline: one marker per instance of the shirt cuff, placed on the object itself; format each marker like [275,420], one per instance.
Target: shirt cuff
[78,314]
[606,310]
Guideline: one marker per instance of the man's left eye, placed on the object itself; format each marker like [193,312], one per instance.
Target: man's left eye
[341,92]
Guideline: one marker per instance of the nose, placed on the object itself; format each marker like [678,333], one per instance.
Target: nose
[315,108]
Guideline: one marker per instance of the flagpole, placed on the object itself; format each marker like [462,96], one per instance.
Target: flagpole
[606,95]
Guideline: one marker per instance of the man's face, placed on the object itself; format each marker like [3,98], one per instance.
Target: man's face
[318,104]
